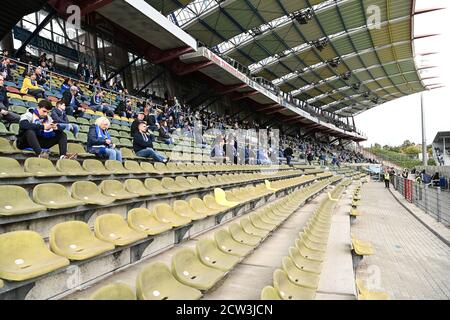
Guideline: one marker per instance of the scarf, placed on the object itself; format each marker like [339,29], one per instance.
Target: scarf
[103,135]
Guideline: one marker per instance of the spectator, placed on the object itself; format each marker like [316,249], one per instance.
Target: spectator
[31,87]
[97,102]
[50,65]
[310,157]
[87,74]
[288,152]
[5,70]
[73,106]
[40,78]
[143,146]
[217,151]
[43,58]
[38,131]
[164,132]
[99,141]
[6,115]
[66,85]
[80,71]
[135,124]
[59,116]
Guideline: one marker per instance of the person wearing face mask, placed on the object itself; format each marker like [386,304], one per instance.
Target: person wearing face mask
[143,146]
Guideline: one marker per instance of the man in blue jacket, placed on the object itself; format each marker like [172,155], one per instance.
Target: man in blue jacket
[59,116]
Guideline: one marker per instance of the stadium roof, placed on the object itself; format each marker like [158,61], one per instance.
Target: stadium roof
[294,43]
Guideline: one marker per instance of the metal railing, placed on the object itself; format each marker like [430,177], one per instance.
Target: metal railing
[432,200]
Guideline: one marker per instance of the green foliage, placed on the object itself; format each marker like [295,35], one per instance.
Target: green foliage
[431,162]
[399,159]
[411,150]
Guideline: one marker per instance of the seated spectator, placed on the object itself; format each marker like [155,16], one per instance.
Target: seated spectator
[59,116]
[134,125]
[40,76]
[38,131]
[31,87]
[99,141]
[97,102]
[73,106]
[121,109]
[65,86]
[164,132]
[143,146]
[6,115]
[262,157]
[5,70]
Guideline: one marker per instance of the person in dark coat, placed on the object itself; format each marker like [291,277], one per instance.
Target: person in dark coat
[143,144]
[73,106]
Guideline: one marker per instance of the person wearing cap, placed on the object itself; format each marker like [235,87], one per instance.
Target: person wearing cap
[143,146]
[73,106]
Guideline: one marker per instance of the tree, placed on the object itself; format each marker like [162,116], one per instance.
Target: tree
[412,150]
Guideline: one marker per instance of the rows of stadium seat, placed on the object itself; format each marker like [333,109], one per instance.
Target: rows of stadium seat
[24,255]
[193,272]
[299,277]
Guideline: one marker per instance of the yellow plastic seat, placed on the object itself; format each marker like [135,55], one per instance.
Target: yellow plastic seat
[24,255]
[154,185]
[182,208]
[156,282]
[114,291]
[211,203]
[115,189]
[366,294]
[321,247]
[113,228]
[2,284]
[15,200]
[137,187]
[171,185]
[41,167]
[300,277]
[173,168]
[227,244]
[195,183]
[303,263]
[133,167]
[309,254]
[75,241]
[164,213]
[10,168]
[142,219]
[199,206]
[54,196]
[95,167]
[189,270]
[148,167]
[211,256]
[161,168]
[289,290]
[89,193]
[115,167]
[203,180]
[249,228]
[269,186]
[362,248]
[221,199]
[183,183]
[260,224]
[70,167]
[269,293]
[354,212]
[239,235]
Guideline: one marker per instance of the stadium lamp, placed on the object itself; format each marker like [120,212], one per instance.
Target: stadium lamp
[334,62]
[346,75]
[356,86]
[320,44]
[302,17]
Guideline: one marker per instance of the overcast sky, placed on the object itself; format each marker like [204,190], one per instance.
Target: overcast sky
[398,120]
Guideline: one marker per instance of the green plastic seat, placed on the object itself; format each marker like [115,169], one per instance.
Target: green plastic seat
[75,241]
[114,291]
[269,293]
[148,167]
[78,149]
[289,290]
[10,168]
[54,196]
[171,185]
[239,235]
[189,270]
[133,167]
[15,200]
[6,147]
[115,167]
[303,263]
[164,213]
[41,167]
[95,167]
[137,187]
[156,282]
[89,193]
[210,255]
[182,208]
[142,219]
[113,228]
[227,244]
[24,255]
[3,130]
[249,228]
[115,189]
[154,185]
[300,277]
[70,167]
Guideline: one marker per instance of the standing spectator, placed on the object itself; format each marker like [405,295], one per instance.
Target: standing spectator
[73,106]
[59,116]
[99,141]
[87,74]
[387,178]
[31,87]
[288,152]
[6,115]
[38,131]
[43,58]
[80,71]
[143,146]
